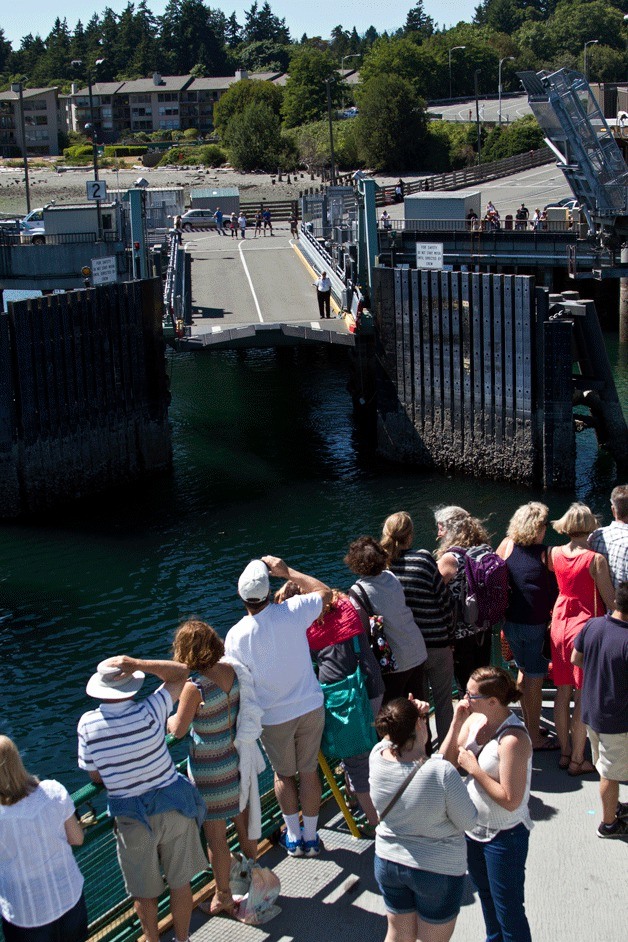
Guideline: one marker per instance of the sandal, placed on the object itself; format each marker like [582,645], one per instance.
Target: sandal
[565,760]
[581,768]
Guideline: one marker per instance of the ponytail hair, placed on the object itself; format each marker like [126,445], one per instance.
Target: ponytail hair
[397,721]
[498,683]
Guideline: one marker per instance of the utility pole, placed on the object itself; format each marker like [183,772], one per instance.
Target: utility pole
[18,88]
[477,116]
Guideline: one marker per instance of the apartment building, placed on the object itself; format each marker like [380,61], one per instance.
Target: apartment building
[41,123]
[159,103]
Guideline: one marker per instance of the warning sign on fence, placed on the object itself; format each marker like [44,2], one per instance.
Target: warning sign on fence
[429,255]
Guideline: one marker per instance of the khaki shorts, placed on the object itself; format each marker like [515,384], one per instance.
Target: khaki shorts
[293,746]
[610,754]
[172,843]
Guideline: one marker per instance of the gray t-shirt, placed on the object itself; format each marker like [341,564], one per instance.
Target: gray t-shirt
[386,595]
[425,828]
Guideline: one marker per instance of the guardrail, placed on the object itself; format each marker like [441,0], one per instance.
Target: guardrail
[468,176]
[481,225]
[65,238]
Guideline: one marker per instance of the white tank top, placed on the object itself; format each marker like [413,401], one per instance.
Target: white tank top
[492,818]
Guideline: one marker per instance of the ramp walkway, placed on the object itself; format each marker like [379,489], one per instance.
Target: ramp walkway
[254,292]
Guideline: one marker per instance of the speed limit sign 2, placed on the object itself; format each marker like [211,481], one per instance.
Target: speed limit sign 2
[96,190]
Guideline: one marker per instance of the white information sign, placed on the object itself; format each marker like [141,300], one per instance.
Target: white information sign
[96,189]
[429,255]
[104,270]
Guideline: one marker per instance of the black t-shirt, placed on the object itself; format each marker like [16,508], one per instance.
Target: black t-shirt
[604,644]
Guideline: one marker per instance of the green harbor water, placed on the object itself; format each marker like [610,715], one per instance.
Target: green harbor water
[267,459]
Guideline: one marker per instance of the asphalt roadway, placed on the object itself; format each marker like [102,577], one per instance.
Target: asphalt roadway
[265,280]
[512,109]
[259,280]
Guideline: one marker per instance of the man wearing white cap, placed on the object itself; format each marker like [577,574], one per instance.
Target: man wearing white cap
[271,641]
[158,812]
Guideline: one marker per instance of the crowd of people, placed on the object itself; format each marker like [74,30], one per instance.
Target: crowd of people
[435,815]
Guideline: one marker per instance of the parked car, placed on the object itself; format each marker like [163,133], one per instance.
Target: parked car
[569,202]
[349,113]
[198,219]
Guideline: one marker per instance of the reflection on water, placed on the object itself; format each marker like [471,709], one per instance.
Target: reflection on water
[267,458]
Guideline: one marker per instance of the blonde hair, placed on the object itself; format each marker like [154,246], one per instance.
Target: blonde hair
[15,782]
[464,532]
[527,522]
[197,645]
[397,534]
[579,520]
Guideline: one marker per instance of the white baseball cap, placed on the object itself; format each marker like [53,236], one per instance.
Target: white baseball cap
[254,584]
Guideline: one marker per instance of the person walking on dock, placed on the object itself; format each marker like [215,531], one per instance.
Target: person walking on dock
[612,541]
[601,650]
[233,222]
[242,225]
[267,221]
[258,224]
[218,216]
[323,295]
[271,641]
[158,812]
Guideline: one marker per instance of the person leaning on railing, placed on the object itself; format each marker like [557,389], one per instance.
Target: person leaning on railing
[41,886]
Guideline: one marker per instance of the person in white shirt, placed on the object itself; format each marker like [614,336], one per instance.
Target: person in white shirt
[41,886]
[242,225]
[271,642]
[323,295]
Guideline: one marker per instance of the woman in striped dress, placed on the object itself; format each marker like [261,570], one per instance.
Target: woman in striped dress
[209,707]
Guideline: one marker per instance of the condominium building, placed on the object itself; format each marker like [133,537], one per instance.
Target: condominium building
[41,124]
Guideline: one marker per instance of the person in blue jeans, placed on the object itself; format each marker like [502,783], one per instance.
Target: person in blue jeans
[488,742]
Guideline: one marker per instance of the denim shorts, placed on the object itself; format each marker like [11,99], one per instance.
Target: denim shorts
[526,643]
[436,897]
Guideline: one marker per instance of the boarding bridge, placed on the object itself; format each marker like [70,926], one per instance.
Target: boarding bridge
[577,132]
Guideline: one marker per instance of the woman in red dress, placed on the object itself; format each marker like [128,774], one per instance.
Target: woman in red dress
[584,591]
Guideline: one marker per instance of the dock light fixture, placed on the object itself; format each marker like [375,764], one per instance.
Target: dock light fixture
[453,49]
[590,42]
[499,88]
[18,89]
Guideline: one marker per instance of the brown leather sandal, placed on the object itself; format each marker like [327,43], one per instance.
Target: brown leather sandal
[581,768]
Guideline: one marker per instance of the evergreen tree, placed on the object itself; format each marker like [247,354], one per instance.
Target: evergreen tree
[417,21]
[233,32]
[262,24]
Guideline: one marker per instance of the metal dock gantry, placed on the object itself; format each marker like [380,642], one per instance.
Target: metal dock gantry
[575,882]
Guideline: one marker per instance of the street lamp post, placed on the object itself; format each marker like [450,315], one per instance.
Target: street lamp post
[591,42]
[477,114]
[18,88]
[331,132]
[501,62]
[77,63]
[453,49]
[353,55]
